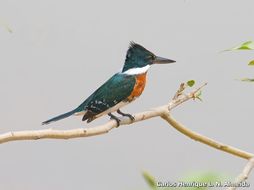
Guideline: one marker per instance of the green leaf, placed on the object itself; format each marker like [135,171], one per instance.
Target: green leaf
[251,63]
[150,180]
[190,83]
[203,177]
[249,45]
[198,95]
[247,80]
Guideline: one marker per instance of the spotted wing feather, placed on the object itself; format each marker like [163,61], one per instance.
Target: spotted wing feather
[112,92]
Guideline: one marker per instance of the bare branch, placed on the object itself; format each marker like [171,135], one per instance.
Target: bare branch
[244,175]
[162,111]
[205,140]
[76,133]
[98,130]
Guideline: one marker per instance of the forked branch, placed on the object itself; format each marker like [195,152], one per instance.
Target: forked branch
[162,111]
[178,99]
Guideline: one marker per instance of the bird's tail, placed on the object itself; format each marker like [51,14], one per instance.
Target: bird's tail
[62,116]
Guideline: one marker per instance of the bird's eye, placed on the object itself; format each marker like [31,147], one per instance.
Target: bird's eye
[149,57]
[152,57]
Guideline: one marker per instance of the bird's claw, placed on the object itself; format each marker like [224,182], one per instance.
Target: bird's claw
[126,115]
[115,118]
[130,116]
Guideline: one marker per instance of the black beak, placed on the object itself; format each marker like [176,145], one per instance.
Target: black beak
[161,60]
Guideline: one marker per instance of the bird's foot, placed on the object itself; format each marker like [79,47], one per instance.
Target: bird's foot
[126,115]
[115,118]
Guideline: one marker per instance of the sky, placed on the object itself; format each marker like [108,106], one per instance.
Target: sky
[59,52]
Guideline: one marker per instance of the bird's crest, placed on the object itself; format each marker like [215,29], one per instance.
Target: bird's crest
[134,46]
[137,57]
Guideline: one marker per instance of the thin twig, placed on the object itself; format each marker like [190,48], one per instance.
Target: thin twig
[244,175]
[205,140]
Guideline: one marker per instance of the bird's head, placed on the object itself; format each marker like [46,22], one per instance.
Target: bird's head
[138,60]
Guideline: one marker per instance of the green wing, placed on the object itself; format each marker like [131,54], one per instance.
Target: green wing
[113,91]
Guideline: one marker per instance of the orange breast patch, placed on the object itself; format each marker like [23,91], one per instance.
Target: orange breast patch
[139,87]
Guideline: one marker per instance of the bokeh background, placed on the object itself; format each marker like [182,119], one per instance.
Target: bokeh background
[61,51]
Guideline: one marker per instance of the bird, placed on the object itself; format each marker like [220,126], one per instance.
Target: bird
[121,89]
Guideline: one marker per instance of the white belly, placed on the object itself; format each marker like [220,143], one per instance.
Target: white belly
[113,109]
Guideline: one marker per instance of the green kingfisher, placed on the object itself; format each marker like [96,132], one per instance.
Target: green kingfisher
[121,89]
